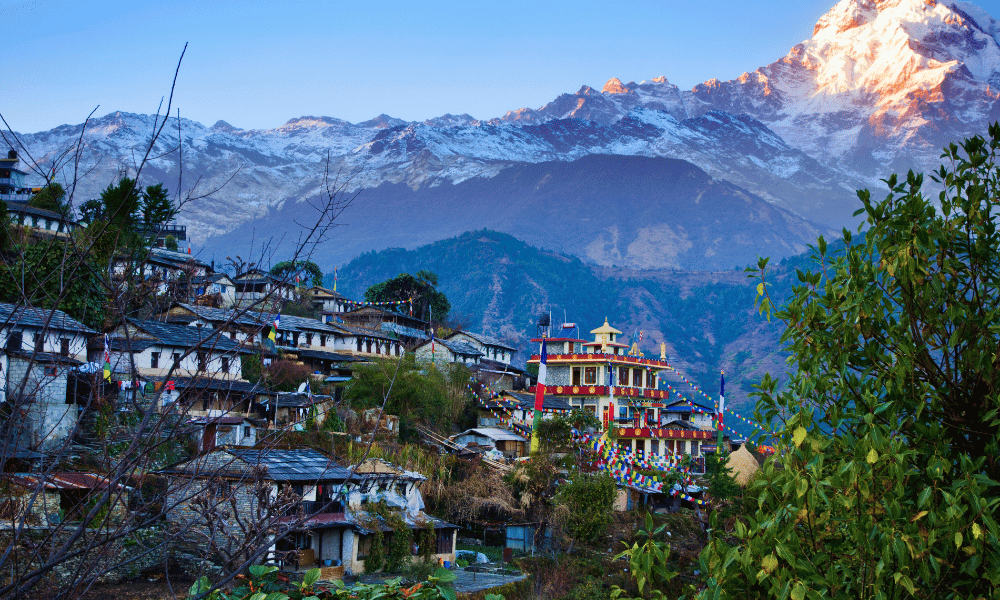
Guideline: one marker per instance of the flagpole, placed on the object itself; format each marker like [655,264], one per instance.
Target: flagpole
[539,397]
[722,409]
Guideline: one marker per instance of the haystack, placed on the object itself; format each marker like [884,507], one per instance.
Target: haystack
[743,465]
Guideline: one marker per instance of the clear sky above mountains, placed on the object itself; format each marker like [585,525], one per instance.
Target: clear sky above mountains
[257,64]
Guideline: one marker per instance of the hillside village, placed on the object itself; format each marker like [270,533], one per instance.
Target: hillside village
[217,417]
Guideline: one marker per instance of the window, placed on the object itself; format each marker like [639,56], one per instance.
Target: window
[309,339]
[202,361]
[650,379]
[39,342]
[154,360]
[359,344]
[637,377]
[576,375]
[622,412]
[50,371]
[223,288]
[623,375]
[322,340]
[225,364]
[232,334]
[369,346]
[654,446]
[695,447]
[246,432]
[177,360]
[64,346]
[572,347]
[590,375]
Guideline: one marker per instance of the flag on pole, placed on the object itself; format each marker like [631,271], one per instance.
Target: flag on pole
[273,334]
[539,398]
[432,345]
[107,358]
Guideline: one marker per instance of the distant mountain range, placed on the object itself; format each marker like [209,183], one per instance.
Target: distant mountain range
[881,86]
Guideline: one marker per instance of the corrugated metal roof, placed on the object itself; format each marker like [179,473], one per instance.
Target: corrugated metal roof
[66,481]
[493,433]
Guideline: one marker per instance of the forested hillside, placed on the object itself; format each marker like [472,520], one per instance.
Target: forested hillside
[498,284]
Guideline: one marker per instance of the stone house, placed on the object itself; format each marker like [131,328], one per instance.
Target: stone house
[331,522]
[61,496]
[214,284]
[444,352]
[225,430]
[40,347]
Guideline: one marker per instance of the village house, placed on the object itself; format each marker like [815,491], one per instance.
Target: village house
[195,366]
[331,304]
[223,430]
[215,286]
[166,269]
[40,348]
[484,439]
[39,220]
[255,285]
[621,388]
[408,330]
[51,498]
[444,352]
[331,524]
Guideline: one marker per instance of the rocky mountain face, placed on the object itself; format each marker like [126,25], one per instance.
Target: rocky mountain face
[639,212]
[881,86]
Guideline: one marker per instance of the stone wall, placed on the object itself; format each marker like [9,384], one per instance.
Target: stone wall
[40,390]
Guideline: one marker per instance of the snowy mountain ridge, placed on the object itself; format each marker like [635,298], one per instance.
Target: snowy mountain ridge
[880,87]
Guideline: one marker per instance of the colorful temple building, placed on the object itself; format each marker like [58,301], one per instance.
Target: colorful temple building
[620,386]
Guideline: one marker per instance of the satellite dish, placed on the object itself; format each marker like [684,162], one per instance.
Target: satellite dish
[302,387]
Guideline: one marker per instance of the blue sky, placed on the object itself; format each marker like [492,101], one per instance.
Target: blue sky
[257,64]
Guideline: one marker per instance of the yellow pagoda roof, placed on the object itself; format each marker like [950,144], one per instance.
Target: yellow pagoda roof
[605,328]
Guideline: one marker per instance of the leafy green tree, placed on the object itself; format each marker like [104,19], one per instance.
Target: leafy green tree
[885,484]
[51,275]
[432,396]
[91,211]
[170,242]
[420,289]
[156,207]
[589,502]
[290,269]
[121,203]
[52,197]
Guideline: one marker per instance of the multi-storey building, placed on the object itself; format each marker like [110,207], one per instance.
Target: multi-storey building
[620,387]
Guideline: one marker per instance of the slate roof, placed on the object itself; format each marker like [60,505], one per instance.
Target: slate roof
[211,278]
[45,357]
[174,259]
[460,348]
[25,208]
[358,330]
[224,315]
[324,355]
[120,344]
[218,385]
[30,316]
[484,339]
[301,464]
[487,364]
[526,401]
[184,336]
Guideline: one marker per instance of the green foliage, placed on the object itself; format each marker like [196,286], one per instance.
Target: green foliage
[648,563]
[155,207]
[90,211]
[426,299]
[290,269]
[252,367]
[429,395]
[721,483]
[266,583]
[375,559]
[50,274]
[52,197]
[170,243]
[885,480]
[589,502]
[121,204]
